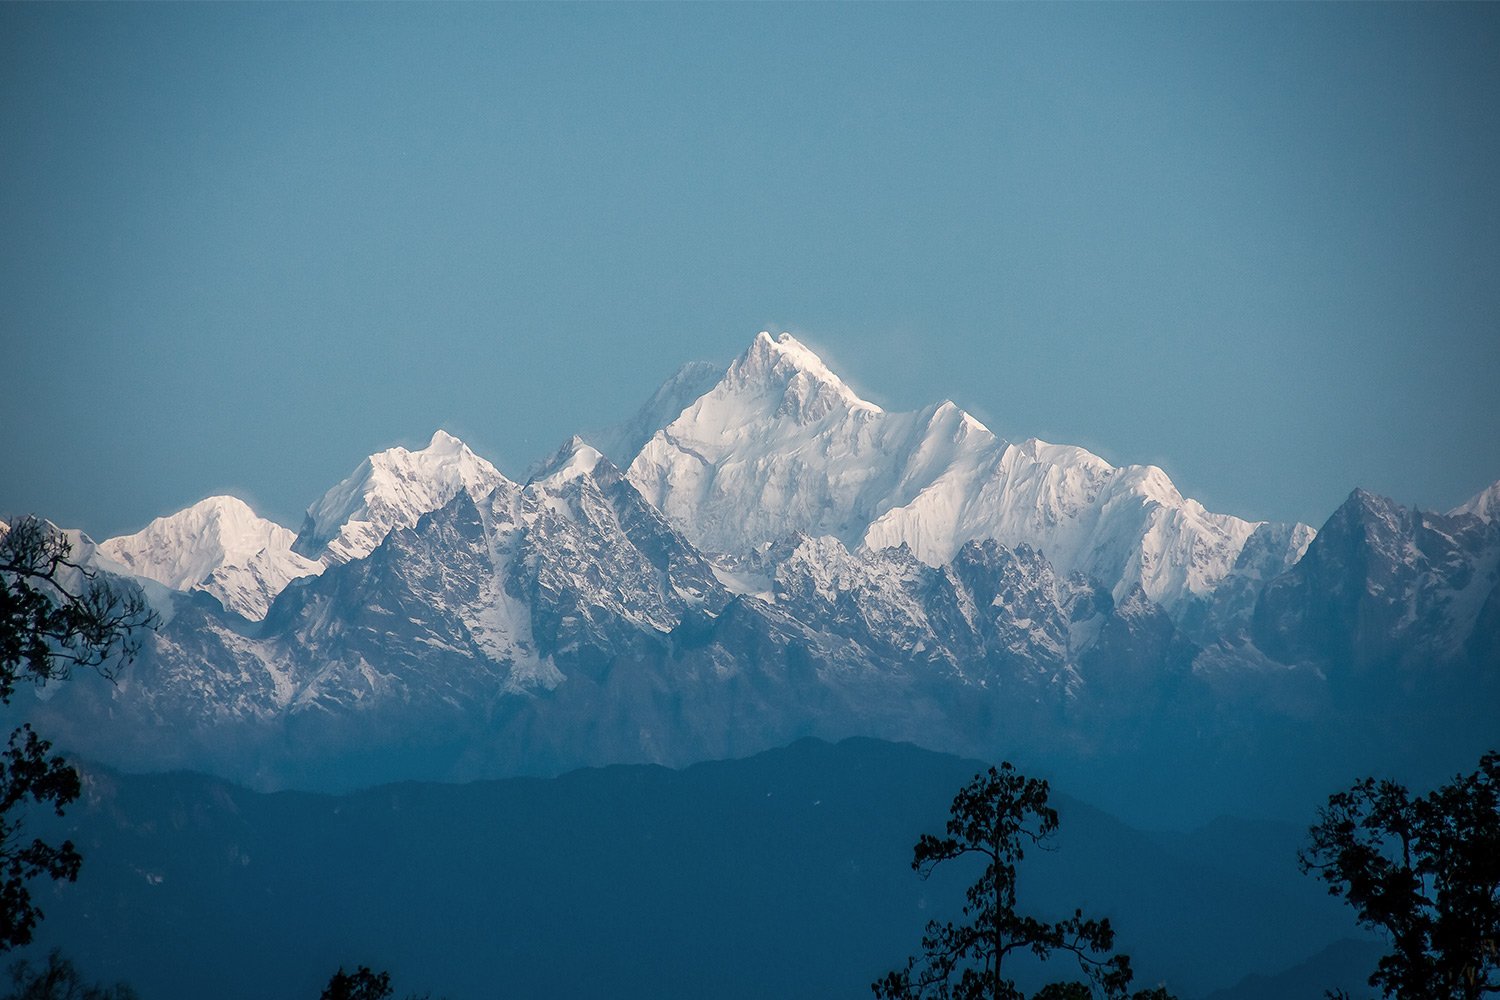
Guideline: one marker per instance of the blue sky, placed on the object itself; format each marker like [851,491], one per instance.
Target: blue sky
[244,246]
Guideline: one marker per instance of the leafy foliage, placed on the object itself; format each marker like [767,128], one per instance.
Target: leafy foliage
[363,984]
[1425,871]
[997,817]
[26,772]
[55,615]
[50,624]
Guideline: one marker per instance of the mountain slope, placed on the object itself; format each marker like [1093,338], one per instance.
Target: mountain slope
[622,442]
[1344,965]
[448,635]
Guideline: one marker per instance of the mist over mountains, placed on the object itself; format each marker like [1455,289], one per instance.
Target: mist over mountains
[783,874]
[766,556]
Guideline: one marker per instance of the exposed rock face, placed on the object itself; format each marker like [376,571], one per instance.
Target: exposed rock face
[1386,587]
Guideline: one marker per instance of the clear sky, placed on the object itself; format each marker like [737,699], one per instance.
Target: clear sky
[241,247]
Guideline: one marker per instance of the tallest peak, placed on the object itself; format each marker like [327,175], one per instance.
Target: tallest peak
[786,345]
[784,359]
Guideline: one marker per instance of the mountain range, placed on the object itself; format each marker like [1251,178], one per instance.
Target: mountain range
[759,555]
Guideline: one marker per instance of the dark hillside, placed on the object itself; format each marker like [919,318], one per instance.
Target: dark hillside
[785,874]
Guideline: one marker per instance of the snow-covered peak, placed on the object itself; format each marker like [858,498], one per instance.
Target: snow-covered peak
[575,458]
[392,489]
[1363,505]
[785,374]
[1484,505]
[196,538]
[218,545]
[784,349]
[443,443]
[782,445]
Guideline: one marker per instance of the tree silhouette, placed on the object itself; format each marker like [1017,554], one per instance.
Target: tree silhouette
[361,984]
[1425,871]
[55,615]
[59,980]
[996,817]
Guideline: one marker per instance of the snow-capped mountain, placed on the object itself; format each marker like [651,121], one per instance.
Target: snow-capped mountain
[391,489]
[785,559]
[565,622]
[219,546]
[470,618]
[572,561]
[84,560]
[781,444]
[1484,505]
[1388,586]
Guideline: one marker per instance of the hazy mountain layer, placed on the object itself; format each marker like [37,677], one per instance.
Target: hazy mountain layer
[784,875]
